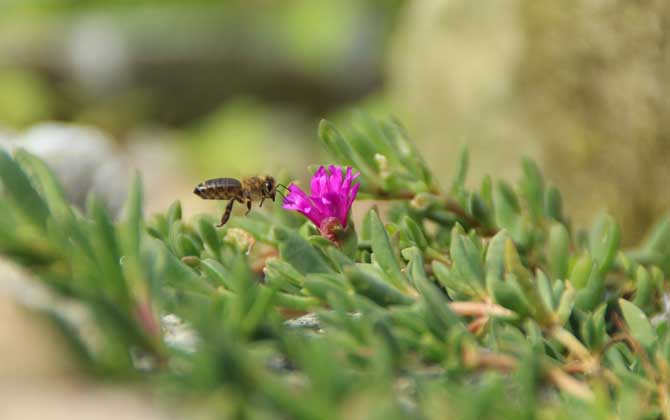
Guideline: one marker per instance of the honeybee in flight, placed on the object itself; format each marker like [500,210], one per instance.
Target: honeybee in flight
[246,191]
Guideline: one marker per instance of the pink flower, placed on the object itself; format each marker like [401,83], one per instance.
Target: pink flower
[331,197]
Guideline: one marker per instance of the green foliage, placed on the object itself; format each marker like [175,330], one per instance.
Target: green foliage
[469,303]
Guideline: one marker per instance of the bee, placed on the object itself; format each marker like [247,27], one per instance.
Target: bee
[245,191]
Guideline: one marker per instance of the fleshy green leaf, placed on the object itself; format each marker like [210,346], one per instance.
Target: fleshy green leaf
[644,288]
[495,254]
[375,288]
[511,297]
[414,232]
[441,318]
[321,285]
[553,204]
[579,275]
[592,295]
[46,182]
[566,304]
[18,187]
[655,249]
[638,324]
[383,252]
[133,226]
[209,236]
[467,261]
[174,213]
[604,242]
[558,252]
[299,253]
[454,284]
[217,272]
[532,187]
[461,172]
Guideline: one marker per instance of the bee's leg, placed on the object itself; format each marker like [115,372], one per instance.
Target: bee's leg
[261,203]
[248,206]
[226,214]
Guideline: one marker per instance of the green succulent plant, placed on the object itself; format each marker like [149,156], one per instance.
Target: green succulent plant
[453,302]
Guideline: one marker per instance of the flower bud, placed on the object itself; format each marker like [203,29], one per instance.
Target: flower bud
[240,239]
[331,228]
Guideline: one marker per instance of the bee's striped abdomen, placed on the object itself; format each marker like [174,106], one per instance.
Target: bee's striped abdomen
[219,189]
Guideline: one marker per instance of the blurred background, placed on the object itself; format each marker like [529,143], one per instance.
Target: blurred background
[184,91]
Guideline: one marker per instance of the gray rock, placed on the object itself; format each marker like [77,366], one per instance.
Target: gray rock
[83,159]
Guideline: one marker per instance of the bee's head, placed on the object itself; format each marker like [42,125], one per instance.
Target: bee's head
[269,187]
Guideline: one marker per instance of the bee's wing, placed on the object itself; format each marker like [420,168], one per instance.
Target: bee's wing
[226,183]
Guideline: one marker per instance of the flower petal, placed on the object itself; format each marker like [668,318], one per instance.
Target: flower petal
[314,215]
[299,201]
[335,180]
[352,194]
[318,181]
[295,197]
[348,179]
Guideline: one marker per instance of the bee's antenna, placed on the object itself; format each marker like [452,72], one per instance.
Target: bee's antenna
[283,186]
[280,193]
